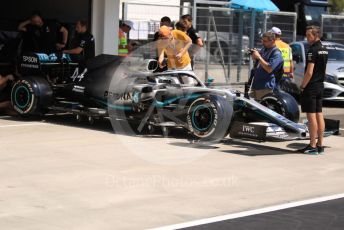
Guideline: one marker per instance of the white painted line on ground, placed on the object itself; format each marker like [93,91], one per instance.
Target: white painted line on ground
[20,125]
[250,212]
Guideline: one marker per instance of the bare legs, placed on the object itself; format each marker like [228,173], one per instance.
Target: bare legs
[321,128]
[316,125]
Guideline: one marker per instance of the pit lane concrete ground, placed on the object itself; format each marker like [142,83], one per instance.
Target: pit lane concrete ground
[56,174]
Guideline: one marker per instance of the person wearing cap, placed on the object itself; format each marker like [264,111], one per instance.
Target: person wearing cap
[286,53]
[175,44]
[124,45]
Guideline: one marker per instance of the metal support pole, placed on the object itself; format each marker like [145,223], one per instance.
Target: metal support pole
[219,45]
[207,54]
[322,25]
[295,27]
[240,35]
[252,36]
[194,14]
[124,11]
[230,37]
[265,18]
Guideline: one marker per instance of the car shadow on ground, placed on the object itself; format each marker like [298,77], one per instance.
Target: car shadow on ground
[254,149]
[249,148]
[64,120]
[101,125]
[194,145]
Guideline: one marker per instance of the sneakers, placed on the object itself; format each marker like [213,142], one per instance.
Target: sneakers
[309,150]
[320,149]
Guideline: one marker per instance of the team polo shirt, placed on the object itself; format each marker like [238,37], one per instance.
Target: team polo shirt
[318,55]
[86,42]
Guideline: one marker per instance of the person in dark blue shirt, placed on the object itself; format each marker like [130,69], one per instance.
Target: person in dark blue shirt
[269,60]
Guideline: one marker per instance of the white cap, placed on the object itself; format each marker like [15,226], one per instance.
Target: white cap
[276,30]
[129,23]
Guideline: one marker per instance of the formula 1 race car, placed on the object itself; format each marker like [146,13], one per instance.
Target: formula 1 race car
[135,99]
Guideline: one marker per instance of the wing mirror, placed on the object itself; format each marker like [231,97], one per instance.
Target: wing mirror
[209,81]
[149,65]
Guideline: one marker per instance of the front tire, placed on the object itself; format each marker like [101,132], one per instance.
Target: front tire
[282,103]
[209,117]
[288,86]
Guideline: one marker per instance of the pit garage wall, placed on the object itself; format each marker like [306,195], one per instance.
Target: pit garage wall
[105,21]
[65,11]
[103,15]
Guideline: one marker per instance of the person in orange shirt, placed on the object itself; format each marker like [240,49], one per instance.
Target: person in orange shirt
[175,44]
[287,55]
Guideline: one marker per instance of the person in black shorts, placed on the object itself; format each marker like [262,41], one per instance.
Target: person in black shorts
[83,47]
[192,33]
[43,35]
[312,88]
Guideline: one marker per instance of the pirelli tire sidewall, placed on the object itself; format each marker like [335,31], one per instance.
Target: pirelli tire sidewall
[217,115]
[30,95]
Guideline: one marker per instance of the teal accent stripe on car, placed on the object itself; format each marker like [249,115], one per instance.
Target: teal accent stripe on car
[171,100]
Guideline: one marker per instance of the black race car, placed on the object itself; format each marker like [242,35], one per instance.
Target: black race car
[136,99]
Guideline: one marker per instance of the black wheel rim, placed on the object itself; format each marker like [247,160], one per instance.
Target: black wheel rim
[22,97]
[202,118]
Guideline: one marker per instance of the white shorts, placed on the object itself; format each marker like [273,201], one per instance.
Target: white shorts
[187,68]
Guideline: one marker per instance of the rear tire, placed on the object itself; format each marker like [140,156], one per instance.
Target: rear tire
[209,117]
[31,96]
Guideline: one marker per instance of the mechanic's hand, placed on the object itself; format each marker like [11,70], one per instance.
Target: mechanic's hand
[10,77]
[256,55]
[59,54]
[161,64]
[179,56]
[60,46]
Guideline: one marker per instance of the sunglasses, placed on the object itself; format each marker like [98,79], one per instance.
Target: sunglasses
[265,40]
